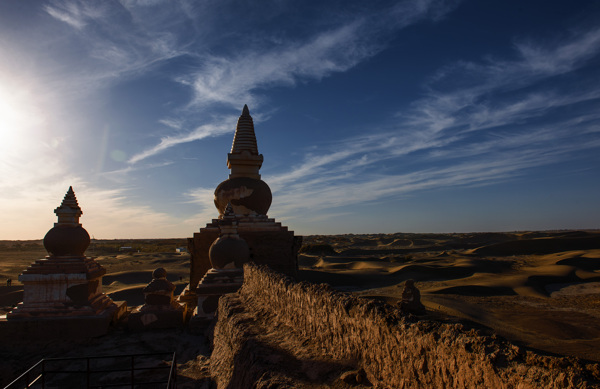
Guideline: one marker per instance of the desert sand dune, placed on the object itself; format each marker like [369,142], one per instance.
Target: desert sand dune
[540,289]
[544,245]
[400,242]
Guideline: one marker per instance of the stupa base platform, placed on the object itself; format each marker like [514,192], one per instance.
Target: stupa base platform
[62,325]
[270,244]
[96,306]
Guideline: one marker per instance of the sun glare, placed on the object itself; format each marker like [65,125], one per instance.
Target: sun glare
[18,120]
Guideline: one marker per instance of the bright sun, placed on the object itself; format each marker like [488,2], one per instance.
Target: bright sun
[18,119]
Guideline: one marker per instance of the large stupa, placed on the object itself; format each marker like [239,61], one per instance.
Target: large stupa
[247,200]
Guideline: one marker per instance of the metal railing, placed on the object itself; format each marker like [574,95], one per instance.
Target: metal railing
[101,372]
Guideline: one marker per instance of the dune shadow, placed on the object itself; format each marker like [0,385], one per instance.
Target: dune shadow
[362,252]
[543,284]
[488,266]
[429,273]
[347,282]
[477,290]
[589,264]
[539,246]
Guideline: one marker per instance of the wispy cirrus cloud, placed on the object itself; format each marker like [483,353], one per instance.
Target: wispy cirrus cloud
[111,43]
[68,14]
[234,79]
[467,135]
[213,129]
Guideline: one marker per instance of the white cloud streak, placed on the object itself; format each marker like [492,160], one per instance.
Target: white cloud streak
[213,129]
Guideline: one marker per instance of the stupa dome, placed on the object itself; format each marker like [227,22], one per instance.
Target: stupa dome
[229,250]
[244,189]
[247,196]
[67,237]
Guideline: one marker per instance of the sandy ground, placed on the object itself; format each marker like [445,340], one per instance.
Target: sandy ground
[538,289]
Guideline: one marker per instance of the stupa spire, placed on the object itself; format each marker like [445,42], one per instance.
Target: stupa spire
[244,159]
[244,190]
[69,211]
[244,138]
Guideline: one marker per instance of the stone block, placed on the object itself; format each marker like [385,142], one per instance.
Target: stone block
[154,319]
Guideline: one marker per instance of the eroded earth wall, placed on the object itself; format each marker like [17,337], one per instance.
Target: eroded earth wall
[394,350]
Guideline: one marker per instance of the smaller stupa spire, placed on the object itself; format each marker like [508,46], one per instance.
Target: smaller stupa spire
[245,111]
[69,211]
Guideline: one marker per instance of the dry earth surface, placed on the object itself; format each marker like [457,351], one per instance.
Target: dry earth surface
[540,290]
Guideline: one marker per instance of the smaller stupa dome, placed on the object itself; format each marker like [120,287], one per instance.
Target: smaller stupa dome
[159,273]
[229,250]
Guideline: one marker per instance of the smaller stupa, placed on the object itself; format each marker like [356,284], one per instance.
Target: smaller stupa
[227,254]
[160,309]
[63,292]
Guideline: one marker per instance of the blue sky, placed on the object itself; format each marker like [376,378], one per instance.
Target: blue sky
[382,116]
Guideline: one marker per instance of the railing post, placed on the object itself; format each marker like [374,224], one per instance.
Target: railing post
[132,372]
[43,374]
[174,370]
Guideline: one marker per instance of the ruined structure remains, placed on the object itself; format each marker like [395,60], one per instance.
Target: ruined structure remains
[269,243]
[65,288]
[160,309]
[411,299]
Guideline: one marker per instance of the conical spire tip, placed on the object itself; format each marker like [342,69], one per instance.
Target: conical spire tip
[245,111]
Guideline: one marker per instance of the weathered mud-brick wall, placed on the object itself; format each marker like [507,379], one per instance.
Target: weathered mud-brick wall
[398,351]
